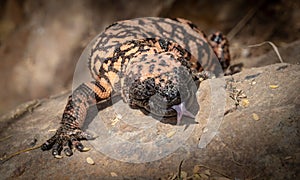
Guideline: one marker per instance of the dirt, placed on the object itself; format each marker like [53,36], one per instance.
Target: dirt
[258,138]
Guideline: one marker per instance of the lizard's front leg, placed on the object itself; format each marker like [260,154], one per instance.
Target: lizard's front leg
[220,46]
[69,133]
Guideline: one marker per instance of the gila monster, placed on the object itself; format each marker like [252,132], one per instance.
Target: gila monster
[145,60]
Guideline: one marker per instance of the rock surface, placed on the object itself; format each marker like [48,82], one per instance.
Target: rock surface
[257,139]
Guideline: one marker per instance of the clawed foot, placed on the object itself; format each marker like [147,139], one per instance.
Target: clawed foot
[66,140]
[203,75]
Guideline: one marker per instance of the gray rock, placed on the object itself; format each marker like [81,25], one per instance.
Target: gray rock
[258,137]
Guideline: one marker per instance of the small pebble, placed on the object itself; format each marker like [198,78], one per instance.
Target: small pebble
[255,116]
[113,174]
[90,161]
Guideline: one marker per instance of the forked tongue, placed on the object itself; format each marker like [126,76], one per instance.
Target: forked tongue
[182,111]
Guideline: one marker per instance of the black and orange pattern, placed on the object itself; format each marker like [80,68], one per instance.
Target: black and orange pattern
[146,60]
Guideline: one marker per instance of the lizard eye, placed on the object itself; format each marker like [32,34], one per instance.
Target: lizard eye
[217,38]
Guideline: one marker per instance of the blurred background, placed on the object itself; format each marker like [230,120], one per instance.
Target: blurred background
[41,41]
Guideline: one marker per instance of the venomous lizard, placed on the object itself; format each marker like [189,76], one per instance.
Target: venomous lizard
[146,60]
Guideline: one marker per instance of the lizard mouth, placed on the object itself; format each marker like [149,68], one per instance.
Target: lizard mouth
[168,99]
[178,110]
[157,105]
[164,107]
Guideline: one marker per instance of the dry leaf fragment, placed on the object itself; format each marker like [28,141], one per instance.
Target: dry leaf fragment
[288,157]
[52,130]
[183,174]
[205,129]
[207,172]
[173,176]
[272,86]
[245,102]
[171,133]
[196,169]
[115,121]
[203,176]
[196,176]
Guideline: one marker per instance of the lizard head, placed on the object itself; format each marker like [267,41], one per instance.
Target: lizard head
[160,85]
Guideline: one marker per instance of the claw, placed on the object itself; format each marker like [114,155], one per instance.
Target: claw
[87,136]
[68,151]
[182,111]
[46,146]
[63,140]
[58,156]
[56,150]
[79,146]
[85,149]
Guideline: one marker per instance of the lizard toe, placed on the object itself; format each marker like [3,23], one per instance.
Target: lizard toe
[57,148]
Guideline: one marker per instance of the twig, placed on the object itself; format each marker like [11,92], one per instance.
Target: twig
[7,137]
[237,28]
[179,169]
[273,46]
[5,158]
[235,161]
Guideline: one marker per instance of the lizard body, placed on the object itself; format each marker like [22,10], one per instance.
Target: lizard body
[150,62]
